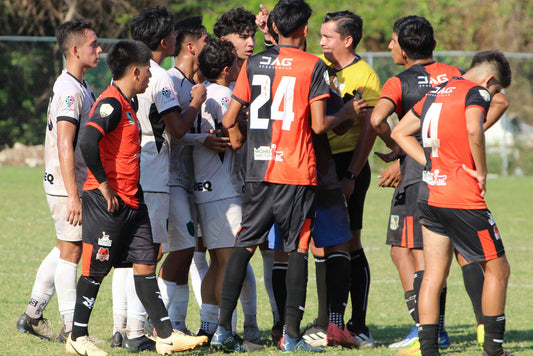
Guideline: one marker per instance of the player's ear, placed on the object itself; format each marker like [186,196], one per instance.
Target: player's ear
[348,41]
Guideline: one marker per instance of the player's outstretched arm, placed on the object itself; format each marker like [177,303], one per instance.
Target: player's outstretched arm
[403,135]
[230,125]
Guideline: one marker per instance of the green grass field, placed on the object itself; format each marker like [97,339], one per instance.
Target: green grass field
[27,235]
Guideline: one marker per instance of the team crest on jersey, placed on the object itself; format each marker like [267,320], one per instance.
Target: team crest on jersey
[129,115]
[434,178]
[225,102]
[69,103]
[106,110]
[104,240]
[394,222]
[167,94]
[102,254]
[484,94]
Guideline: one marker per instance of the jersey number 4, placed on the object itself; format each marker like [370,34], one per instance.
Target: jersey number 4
[284,95]
[430,129]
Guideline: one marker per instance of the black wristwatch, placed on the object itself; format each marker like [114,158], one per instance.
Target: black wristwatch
[350,175]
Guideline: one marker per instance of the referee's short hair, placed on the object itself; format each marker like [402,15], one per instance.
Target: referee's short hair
[124,54]
[348,24]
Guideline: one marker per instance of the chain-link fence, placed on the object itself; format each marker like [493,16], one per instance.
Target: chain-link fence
[30,65]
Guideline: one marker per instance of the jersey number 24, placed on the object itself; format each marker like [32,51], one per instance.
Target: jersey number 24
[284,93]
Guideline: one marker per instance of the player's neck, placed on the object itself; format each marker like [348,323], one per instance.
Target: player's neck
[126,88]
[158,56]
[411,62]
[76,70]
[186,66]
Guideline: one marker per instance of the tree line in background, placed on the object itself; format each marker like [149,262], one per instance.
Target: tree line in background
[28,70]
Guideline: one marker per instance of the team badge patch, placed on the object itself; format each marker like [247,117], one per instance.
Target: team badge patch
[102,254]
[106,110]
[69,104]
[104,240]
[130,118]
[167,94]
[225,102]
[394,222]
[484,94]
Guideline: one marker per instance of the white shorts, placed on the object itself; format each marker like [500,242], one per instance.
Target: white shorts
[181,221]
[64,230]
[158,207]
[220,221]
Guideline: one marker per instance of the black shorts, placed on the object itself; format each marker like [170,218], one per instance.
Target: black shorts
[404,230]
[291,206]
[110,239]
[472,232]
[356,201]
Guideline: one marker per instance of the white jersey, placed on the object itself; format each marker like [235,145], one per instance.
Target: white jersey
[158,99]
[71,100]
[181,166]
[216,175]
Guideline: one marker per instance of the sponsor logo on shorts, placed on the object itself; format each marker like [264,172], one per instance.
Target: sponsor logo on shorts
[202,186]
[394,222]
[48,177]
[102,254]
[434,178]
[104,240]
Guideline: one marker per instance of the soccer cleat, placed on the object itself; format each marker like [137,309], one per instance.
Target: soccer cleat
[339,337]
[83,346]
[365,338]
[252,334]
[315,335]
[202,332]
[480,331]
[249,345]
[178,342]
[277,332]
[224,340]
[444,340]
[137,344]
[407,341]
[38,327]
[116,340]
[413,350]
[289,345]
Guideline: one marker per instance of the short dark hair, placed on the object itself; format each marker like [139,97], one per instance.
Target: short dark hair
[348,24]
[416,38]
[290,15]
[215,56]
[188,27]
[236,20]
[151,26]
[403,20]
[124,54]
[71,31]
[500,64]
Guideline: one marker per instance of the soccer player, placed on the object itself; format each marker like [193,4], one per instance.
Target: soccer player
[340,34]
[65,173]
[116,222]
[174,273]
[281,164]
[451,205]
[238,27]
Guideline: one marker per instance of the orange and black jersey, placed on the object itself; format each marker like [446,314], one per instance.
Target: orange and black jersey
[445,139]
[279,86]
[404,91]
[111,146]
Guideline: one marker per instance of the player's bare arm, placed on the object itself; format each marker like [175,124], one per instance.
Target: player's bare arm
[66,134]
[383,109]
[498,105]
[476,140]
[178,124]
[403,135]
[230,124]
[320,122]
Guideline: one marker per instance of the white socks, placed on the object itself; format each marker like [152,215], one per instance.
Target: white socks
[209,318]
[197,271]
[129,314]
[65,281]
[43,287]
[178,307]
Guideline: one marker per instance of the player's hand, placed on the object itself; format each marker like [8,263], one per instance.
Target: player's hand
[216,143]
[347,187]
[110,196]
[387,157]
[198,94]
[74,210]
[359,106]
[261,22]
[391,176]
[481,179]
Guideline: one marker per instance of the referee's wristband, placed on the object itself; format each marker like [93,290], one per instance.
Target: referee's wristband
[350,175]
